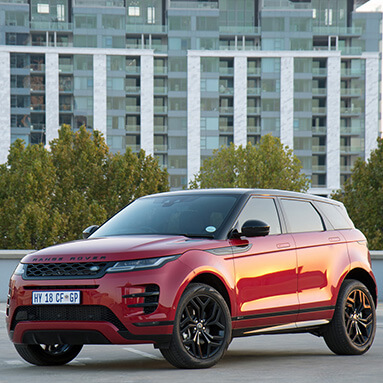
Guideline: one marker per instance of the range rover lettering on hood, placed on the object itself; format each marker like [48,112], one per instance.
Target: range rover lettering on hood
[84,258]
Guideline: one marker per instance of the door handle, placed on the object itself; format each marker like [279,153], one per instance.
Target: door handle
[334,239]
[283,245]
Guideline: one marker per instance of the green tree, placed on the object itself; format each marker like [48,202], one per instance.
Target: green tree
[28,216]
[48,197]
[362,195]
[268,164]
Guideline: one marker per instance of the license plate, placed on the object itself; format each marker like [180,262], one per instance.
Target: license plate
[56,297]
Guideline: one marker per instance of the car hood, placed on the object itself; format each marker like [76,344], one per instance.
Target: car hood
[121,248]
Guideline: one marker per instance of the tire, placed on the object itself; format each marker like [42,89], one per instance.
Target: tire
[352,329]
[202,329]
[48,355]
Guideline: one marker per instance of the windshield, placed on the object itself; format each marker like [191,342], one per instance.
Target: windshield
[190,215]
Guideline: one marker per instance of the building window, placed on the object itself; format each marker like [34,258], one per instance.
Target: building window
[60,12]
[134,11]
[151,15]
[42,8]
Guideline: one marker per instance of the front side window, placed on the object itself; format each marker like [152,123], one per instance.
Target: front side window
[301,216]
[262,209]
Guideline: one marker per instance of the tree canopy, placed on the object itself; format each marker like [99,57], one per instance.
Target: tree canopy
[362,195]
[268,164]
[50,196]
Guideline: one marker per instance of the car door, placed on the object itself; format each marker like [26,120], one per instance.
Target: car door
[322,258]
[265,270]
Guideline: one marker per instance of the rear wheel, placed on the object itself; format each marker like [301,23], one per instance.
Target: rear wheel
[48,355]
[352,329]
[202,329]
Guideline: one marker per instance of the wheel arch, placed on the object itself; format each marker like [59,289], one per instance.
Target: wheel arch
[215,282]
[364,277]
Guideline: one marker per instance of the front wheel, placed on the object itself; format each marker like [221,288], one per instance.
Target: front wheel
[352,329]
[48,355]
[202,329]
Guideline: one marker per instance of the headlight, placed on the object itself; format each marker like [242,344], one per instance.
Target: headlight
[21,267]
[140,264]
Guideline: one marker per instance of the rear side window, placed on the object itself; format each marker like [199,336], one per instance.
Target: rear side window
[302,216]
[336,214]
[263,209]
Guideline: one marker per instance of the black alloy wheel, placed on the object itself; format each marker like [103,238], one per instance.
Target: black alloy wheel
[48,355]
[202,329]
[352,330]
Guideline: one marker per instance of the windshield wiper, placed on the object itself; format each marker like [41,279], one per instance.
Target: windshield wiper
[198,235]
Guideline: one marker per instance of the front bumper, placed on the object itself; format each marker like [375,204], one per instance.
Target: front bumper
[119,308]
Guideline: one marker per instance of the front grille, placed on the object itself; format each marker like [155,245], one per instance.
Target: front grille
[75,270]
[66,313]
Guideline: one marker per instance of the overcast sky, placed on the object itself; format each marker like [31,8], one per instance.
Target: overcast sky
[372,6]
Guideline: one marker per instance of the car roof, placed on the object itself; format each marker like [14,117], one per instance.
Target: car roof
[242,191]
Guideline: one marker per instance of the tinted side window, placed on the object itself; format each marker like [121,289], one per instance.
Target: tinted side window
[336,214]
[263,209]
[301,216]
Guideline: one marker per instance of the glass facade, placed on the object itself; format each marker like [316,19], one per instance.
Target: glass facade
[183,78]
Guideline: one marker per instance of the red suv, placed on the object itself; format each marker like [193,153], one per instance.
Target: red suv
[190,270]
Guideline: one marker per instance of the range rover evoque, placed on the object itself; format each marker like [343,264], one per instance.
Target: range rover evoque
[187,271]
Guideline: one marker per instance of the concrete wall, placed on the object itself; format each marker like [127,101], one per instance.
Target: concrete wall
[10,258]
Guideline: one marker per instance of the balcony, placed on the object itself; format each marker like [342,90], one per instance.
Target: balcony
[346,168]
[253,110]
[283,4]
[318,148]
[350,110]
[160,70]
[133,108]
[355,130]
[226,129]
[133,69]
[37,67]
[226,109]
[226,71]
[100,3]
[66,108]
[132,89]
[133,128]
[193,4]
[251,71]
[350,92]
[146,28]
[160,109]
[351,72]
[50,26]
[253,129]
[337,31]
[351,149]
[319,91]
[238,30]
[160,129]
[37,107]
[37,87]
[357,51]
[319,71]
[134,147]
[226,90]
[319,129]
[253,91]
[319,110]
[160,90]
[66,68]
[160,147]
[318,168]
[38,127]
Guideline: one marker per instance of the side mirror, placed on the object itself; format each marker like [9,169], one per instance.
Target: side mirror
[89,231]
[255,228]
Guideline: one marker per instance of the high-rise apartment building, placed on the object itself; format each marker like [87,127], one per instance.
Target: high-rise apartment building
[182,78]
